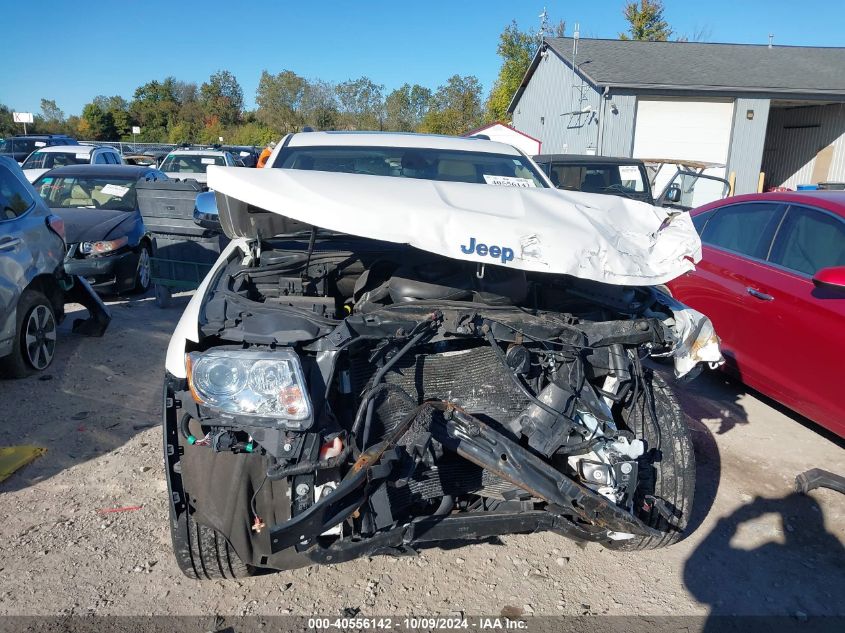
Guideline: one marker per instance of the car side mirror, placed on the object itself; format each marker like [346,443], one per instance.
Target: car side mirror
[832,278]
[674,194]
[205,211]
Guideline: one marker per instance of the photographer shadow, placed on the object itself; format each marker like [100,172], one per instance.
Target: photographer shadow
[771,557]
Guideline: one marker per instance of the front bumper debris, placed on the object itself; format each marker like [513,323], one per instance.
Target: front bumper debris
[574,508]
[99,317]
[106,273]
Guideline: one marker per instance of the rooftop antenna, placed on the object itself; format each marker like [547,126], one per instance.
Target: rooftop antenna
[575,35]
[771,39]
[544,23]
[580,109]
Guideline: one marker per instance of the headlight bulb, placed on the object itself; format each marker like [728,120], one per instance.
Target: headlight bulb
[219,378]
[269,378]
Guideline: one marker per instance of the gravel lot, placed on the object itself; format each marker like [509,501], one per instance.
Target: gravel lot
[756,547]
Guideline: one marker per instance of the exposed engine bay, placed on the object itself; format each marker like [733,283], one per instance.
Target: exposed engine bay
[350,397]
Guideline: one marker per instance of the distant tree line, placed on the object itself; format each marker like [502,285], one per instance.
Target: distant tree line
[176,111]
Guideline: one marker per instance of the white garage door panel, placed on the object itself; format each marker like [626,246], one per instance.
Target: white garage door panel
[693,130]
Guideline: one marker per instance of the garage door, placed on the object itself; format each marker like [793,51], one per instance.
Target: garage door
[675,128]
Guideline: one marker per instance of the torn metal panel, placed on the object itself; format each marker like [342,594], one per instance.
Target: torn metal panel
[696,340]
[602,238]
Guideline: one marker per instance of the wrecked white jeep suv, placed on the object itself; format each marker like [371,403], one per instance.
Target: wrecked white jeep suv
[413,339]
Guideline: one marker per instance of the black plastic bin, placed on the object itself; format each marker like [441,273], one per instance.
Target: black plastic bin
[183,252]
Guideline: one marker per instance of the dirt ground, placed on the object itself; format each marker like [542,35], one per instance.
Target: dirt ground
[755,548]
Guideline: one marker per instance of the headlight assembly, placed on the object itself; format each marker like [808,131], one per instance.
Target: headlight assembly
[103,248]
[267,384]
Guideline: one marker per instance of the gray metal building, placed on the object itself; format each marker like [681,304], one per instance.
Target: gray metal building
[779,110]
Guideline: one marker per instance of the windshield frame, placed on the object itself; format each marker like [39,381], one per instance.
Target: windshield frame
[15,145]
[44,155]
[646,195]
[65,184]
[286,153]
[167,168]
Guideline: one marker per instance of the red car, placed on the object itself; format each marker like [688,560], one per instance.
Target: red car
[772,280]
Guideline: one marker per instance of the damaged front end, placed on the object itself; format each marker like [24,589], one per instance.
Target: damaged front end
[346,397]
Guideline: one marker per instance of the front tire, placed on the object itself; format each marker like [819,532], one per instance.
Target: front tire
[202,553]
[143,272]
[35,337]
[666,470]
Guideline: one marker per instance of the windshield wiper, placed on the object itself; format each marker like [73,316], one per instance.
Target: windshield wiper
[620,190]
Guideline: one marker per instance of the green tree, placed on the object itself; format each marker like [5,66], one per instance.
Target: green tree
[516,48]
[154,106]
[646,21]
[222,97]
[97,124]
[405,107]
[51,113]
[361,104]
[8,127]
[118,108]
[182,132]
[212,131]
[279,99]
[191,116]
[251,133]
[319,105]
[72,125]
[455,107]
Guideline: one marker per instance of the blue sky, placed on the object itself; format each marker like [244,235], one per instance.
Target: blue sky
[71,51]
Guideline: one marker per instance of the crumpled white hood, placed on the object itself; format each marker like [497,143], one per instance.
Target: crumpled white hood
[604,238]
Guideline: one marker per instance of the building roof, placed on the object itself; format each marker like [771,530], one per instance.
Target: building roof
[510,128]
[698,66]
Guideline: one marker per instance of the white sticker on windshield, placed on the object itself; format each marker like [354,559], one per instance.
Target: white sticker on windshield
[82,156]
[508,181]
[207,161]
[40,144]
[115,190]
[629,172]
[244,153]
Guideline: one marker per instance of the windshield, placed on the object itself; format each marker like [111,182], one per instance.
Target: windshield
[20,146]
[430,164]
[190,163]
[48,160]
[624,180]
[91,192]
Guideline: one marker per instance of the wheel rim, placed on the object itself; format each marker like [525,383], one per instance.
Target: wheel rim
[144,269]
[40,337]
